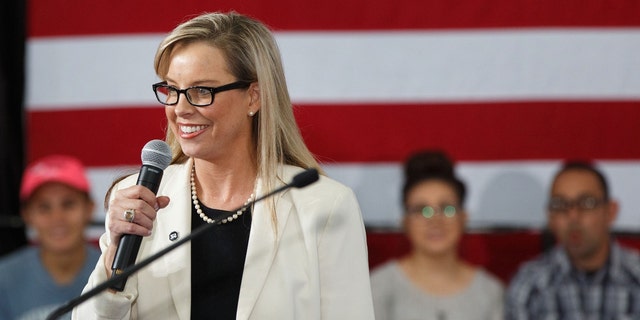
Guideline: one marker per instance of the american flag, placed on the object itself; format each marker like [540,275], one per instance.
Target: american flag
[509,88]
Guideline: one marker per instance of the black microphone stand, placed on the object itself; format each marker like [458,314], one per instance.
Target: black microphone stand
[301,180]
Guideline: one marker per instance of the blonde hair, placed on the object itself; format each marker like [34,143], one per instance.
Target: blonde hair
[252,55]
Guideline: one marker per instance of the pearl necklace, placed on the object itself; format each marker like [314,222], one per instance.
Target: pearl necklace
[196,203]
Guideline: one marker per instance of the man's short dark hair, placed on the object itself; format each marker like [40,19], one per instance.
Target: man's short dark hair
[589,167]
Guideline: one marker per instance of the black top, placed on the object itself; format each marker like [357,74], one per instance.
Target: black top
[217,263]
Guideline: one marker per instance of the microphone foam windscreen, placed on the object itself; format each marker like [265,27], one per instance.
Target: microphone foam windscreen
[156,153]
[305,178]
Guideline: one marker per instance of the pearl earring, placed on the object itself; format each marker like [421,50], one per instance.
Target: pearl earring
[251,113]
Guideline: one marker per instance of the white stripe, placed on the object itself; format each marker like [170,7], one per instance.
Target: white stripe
[76,72]
[505,194]
[338,67]
[500,194]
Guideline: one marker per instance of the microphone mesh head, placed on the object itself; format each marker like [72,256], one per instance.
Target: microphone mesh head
[156,153]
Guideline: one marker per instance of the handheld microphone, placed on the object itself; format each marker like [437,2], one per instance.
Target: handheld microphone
[301,180]
[156,156]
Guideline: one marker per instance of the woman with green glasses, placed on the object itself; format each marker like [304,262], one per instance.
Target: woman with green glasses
[432,281]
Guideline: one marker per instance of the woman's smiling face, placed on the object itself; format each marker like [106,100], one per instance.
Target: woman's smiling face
[212,131]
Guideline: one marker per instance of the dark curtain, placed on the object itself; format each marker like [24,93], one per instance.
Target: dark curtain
[12,121]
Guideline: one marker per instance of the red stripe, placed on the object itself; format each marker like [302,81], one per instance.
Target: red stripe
[98,137]
[79,17]
[377,133]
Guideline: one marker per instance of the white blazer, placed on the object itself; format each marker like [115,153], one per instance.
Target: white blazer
[316,267]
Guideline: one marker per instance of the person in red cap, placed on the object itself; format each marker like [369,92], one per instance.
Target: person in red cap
[56,206]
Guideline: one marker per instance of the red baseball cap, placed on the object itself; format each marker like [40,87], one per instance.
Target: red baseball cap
[54,168]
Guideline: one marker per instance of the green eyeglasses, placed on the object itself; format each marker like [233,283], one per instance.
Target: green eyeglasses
[429,212]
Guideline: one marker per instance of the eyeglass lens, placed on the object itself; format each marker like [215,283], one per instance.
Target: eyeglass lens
[197,96]
[430,211]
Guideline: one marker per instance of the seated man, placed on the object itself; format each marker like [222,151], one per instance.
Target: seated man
[587,275]
[56,206]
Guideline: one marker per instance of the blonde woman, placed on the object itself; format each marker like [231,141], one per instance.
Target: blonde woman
[299,255]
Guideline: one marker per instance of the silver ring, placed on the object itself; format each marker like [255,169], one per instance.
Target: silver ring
[129,215]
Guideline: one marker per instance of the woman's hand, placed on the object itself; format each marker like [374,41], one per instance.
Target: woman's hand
[145,206]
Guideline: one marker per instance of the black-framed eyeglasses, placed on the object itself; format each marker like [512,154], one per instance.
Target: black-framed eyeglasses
[429,212]
[582,204]
[199,96]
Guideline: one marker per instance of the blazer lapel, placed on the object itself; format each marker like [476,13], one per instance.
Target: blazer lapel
[176,224]
[261,251]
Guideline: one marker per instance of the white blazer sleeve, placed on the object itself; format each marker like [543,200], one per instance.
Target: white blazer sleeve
[344,270]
